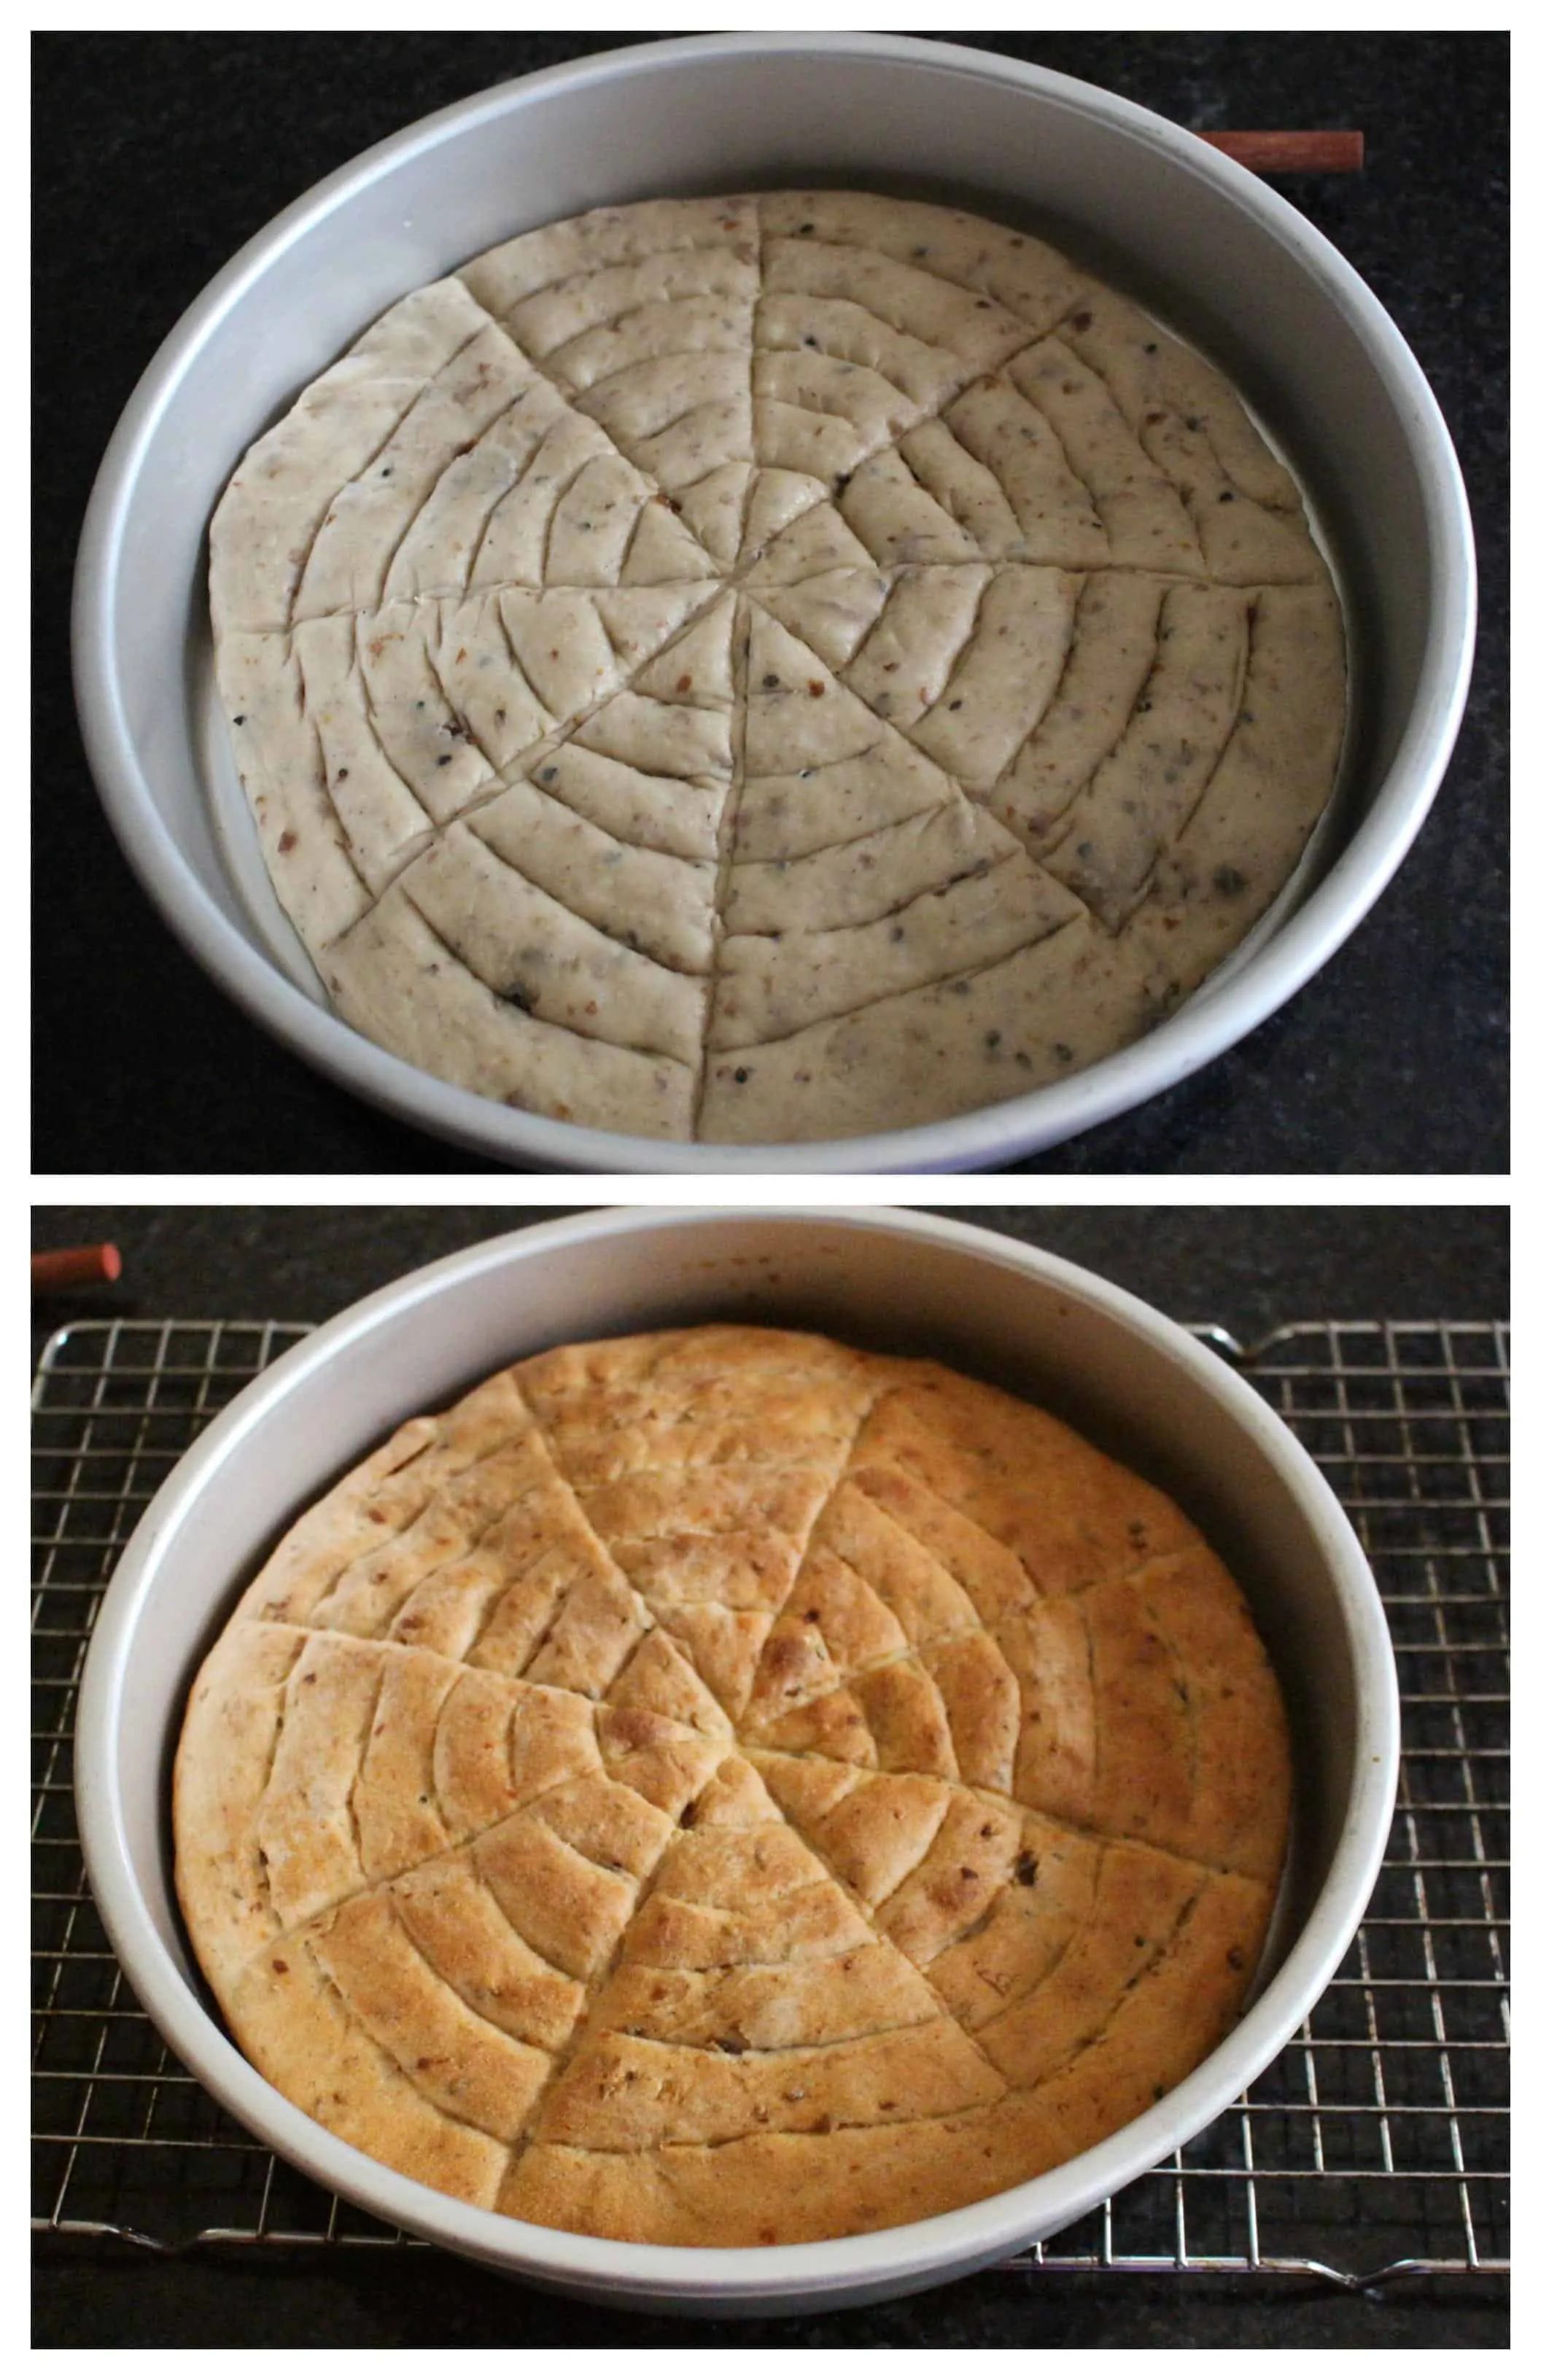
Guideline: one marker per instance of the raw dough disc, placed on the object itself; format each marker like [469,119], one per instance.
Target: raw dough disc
[772,669]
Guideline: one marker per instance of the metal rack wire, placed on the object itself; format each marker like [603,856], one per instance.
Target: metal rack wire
[1374,2146]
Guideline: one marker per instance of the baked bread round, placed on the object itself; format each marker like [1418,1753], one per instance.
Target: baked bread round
[721,1787]
[772,668]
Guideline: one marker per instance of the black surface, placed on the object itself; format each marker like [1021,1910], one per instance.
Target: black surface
[1250,1266]
[160,155]
[362,2298]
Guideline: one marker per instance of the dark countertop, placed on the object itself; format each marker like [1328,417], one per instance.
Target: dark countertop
[163,153]
[1250,1266]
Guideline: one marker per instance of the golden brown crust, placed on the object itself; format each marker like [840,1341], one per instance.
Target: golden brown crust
[770,2189]
[719,1787]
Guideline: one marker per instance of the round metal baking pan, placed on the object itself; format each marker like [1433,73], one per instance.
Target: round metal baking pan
[1134,1380]
[1204,243]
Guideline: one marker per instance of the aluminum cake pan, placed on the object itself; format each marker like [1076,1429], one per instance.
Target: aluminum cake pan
[1109,1364]
[1205,243]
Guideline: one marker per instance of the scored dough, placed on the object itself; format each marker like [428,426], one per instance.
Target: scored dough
[846,548]
[721,1787]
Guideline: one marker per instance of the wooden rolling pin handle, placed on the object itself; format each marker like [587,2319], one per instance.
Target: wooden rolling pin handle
[76,1268]
[1293,152]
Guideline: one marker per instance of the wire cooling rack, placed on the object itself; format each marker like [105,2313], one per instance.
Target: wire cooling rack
[1375,2146]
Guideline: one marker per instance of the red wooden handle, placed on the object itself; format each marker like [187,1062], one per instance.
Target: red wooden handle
[1293,152]
[76,1268]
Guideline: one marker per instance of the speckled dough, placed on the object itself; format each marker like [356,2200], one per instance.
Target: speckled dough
[772,669]
[720,1788]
